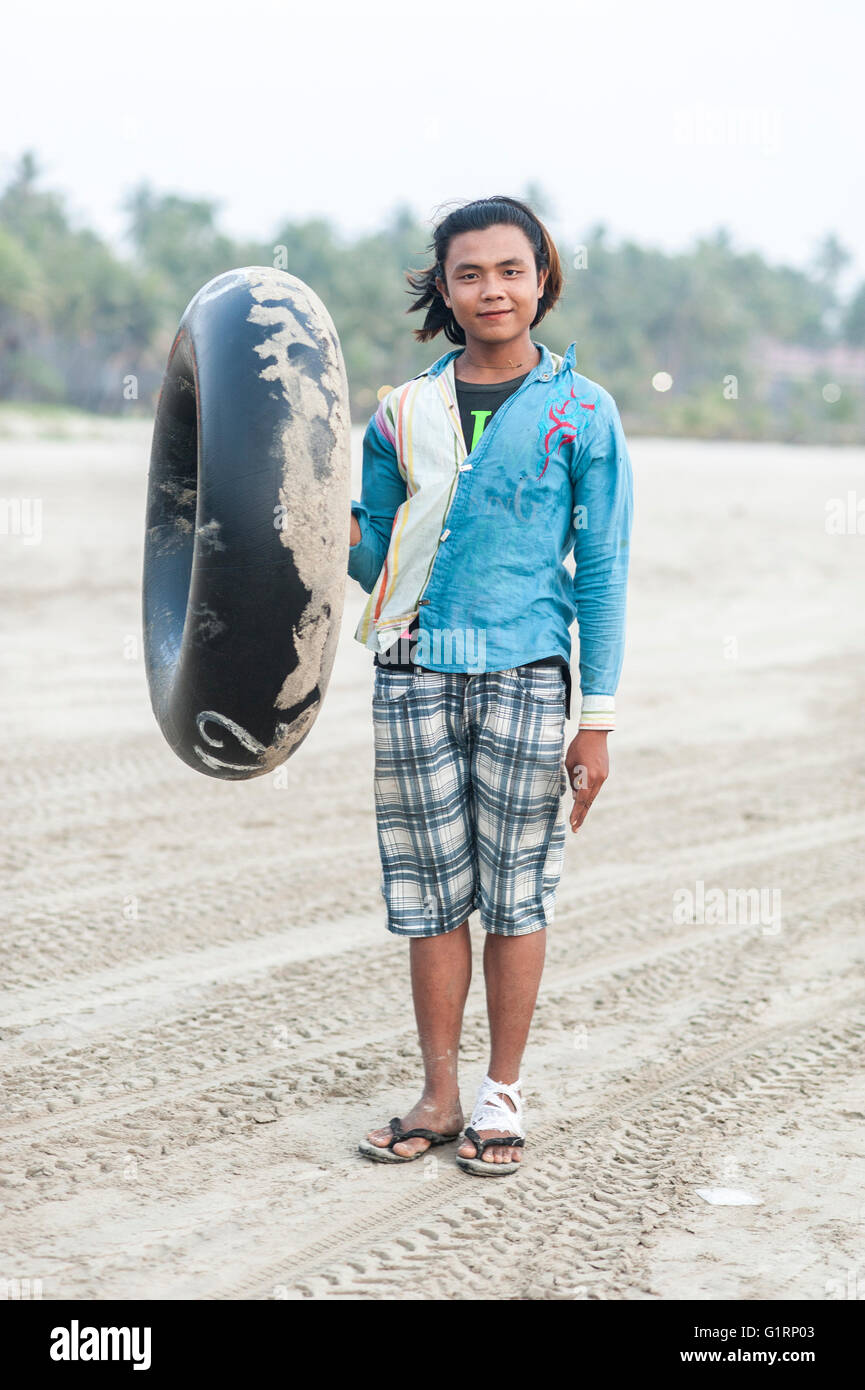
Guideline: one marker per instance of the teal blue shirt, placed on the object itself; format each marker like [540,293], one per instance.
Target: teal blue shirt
[475,542]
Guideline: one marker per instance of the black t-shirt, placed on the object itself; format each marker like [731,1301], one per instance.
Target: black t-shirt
[478,403]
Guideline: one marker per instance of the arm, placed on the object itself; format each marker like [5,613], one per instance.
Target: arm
[383,492]
[603,493]
[603,497]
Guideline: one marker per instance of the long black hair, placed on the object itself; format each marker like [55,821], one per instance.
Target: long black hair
[473,217]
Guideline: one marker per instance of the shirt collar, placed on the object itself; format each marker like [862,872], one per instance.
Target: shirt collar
[545,369]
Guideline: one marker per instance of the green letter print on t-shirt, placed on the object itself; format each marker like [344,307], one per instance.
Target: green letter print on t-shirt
[480,418]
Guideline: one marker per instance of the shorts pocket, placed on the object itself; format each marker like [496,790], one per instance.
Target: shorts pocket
[545,684]
[392,685]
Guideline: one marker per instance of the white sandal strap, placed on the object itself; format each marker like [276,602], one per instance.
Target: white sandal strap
[491,1112]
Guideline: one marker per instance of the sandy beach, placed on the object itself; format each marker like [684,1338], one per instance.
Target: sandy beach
[202,1011]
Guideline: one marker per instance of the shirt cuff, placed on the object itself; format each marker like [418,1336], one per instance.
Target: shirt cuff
[598,712]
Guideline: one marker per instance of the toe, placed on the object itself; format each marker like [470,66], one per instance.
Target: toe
[410,1146]
[499,1153]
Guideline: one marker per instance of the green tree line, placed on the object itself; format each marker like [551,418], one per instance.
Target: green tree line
[78,320]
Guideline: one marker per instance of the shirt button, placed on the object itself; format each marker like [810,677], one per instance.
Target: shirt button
[444,535]
[464,467]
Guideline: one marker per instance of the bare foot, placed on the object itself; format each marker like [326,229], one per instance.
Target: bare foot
[496,1153]
[443,1118]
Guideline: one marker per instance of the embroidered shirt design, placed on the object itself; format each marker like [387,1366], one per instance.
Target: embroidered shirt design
[562,430]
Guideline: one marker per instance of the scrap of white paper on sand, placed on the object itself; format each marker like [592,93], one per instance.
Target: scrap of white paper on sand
[727,1196]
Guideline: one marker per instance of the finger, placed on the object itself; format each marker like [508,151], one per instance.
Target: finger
[582,803]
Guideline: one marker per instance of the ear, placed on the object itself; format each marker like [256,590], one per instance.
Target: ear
[442,289]
[542,280]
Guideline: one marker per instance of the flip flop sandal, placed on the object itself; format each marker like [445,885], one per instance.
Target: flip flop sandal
[385,1154]
[490,1112]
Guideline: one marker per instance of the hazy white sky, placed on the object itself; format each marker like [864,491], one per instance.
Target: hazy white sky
[663,120]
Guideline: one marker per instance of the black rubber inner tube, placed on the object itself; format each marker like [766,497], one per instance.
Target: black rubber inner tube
[246,544]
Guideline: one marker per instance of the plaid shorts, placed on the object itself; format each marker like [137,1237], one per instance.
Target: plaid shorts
[469,776]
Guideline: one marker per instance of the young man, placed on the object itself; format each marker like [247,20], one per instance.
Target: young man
[480,475]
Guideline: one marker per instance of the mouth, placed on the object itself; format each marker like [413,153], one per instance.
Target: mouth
[495,314]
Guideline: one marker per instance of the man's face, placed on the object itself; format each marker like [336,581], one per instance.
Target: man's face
[492,285]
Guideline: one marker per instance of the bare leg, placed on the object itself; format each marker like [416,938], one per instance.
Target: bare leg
[441,971]
[513,966]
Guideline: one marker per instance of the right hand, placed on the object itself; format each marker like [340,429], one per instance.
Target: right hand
[354,531]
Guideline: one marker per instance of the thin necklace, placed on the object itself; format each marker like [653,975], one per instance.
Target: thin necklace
[485,368]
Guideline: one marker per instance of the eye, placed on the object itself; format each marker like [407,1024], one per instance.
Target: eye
[472,275]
